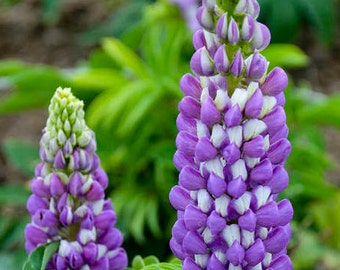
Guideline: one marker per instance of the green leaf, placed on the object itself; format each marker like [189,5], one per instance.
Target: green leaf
[40,257]
[285,55]
[21,154]
[152,263]
[97,79]
[124,57]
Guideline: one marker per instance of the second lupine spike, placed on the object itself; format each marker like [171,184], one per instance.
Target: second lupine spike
[231,147]
[67,204]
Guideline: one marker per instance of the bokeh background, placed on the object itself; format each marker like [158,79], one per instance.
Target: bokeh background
[124,58]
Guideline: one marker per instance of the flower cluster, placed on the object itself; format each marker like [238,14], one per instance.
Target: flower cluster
[67,203]
[231,147]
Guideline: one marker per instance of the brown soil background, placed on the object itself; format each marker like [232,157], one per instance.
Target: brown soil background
[24,36]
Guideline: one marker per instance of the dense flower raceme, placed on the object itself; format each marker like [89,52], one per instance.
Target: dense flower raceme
[231,148]
[67,203]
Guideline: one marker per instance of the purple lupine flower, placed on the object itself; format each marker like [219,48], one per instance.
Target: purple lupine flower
[231,147]
[68,203]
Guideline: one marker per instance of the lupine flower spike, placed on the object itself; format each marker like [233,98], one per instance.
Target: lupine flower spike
[67,203]
[231,147]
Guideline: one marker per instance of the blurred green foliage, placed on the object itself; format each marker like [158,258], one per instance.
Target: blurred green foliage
[130,88]
[287,19]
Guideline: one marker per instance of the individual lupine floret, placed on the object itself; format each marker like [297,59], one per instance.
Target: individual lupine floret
[231,147]
[68,203]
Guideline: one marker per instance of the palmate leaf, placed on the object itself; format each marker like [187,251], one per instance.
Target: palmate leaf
[135,208]
[152,263]
[125,58]
[98,79]
[40,257]
[110,106]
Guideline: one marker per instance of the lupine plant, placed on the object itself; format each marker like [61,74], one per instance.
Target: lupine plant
[68,204]
[231,147]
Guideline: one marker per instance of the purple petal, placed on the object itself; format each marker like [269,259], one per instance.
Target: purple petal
[39,188]
[205,18]
[261,38]
[275,119]
[262,172]
[231,153]
[282,262]
[255,147]
[181,160]
[235,254]
[57,188]
[105,220]
[222,27]
[189,264]
[255,253]
[254,105]
[101,177]
[233,32]
[201,63]
[75,259]
[190,86]
[236,67]
[210,115]
[216,223]
[35,235]
[275,82]
[179,231]
[194,218]
[187,124]
[193,243]
[216,185]
[237,187]
[277,240]
[35,203]
[279,180]
[286,212]
[215,264]
[186,143]
[190,107]
[112,239]
[256,66]
[221,59]
[191,179]
[268,215]
[75,184]
[119,260]
[96,192]
[248,28]
[233,116]
[248,221]
[59,161]
[177,249]
[90,253]
[205,150]
[279,151]
[179,198]
[45,218]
